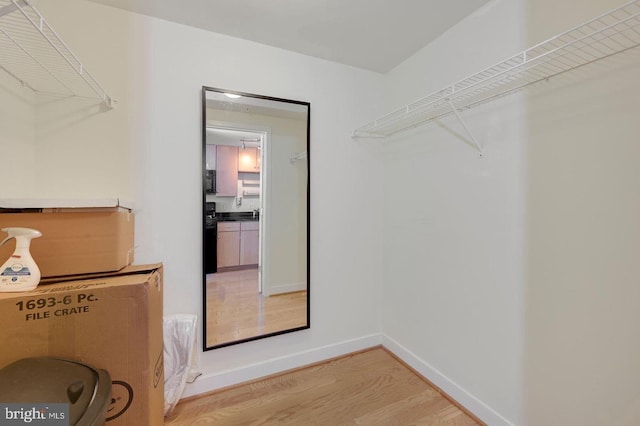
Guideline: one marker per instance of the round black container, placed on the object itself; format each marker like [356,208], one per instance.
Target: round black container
[86,389]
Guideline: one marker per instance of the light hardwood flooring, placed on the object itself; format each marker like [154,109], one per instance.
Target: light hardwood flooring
[366,388]
[237,311]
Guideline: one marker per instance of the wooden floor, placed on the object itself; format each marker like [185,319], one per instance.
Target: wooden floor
[367,388]
[236,310]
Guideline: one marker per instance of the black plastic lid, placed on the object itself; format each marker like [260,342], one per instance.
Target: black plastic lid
[53,380]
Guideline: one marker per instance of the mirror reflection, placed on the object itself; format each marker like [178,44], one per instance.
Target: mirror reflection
[256,216]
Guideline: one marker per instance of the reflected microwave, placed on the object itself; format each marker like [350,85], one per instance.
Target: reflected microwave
[210,182]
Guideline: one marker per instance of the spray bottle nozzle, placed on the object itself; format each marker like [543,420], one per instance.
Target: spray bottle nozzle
[21,234]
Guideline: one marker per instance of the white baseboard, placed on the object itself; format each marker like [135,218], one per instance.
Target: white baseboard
[287,288]
[210,382]
[448,386]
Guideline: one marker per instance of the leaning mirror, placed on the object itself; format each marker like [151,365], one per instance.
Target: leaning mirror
[256,216]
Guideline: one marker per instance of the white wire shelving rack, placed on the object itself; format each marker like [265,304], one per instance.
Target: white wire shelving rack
[32,53]
[613,32]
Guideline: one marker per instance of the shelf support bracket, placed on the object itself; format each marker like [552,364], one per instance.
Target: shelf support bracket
[464,125]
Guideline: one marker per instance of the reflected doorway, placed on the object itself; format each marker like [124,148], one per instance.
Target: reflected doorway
[234,198]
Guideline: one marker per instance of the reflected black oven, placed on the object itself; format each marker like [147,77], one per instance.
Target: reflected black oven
[210,182]
[210,238]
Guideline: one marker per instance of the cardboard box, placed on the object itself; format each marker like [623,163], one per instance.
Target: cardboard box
[75,240]
[113,323]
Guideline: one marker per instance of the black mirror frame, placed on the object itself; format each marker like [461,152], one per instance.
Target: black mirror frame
[205,89]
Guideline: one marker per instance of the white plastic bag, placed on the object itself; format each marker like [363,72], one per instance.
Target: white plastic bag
[179,343]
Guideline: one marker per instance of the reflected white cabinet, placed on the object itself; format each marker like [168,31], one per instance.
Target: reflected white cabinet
[210,157]
[228,244]
[249,243]
[249,160]
[238,243]
[226,171]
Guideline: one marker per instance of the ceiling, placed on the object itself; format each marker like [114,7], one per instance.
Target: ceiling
[372,34]
[233,137]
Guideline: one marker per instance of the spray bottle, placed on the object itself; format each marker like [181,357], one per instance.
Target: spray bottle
[20,272]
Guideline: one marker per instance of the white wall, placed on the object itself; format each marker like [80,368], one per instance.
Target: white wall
[453,235]
[156,70]
[17,139]
[286,225]
[512,280]
[582,312]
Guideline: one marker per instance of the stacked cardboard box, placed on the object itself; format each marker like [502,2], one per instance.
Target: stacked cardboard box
[112,322]
[77,238]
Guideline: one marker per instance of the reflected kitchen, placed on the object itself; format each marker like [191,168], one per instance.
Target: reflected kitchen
[232,207]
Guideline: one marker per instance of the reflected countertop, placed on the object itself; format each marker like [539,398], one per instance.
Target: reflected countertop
[237,216]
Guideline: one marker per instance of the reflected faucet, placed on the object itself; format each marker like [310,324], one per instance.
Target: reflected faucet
[255,211]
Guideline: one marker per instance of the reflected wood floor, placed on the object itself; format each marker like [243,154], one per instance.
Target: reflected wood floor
[236,310]
[367,388]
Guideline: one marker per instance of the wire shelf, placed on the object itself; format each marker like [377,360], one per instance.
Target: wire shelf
[32,53]
[613,32]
